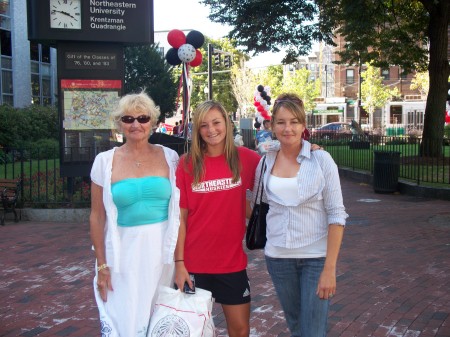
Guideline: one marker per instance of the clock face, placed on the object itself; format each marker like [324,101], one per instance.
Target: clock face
[65,14]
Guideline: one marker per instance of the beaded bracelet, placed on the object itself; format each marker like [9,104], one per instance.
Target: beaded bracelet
[101,267]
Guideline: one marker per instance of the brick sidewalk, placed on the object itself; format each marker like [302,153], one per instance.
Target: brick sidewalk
[393,274]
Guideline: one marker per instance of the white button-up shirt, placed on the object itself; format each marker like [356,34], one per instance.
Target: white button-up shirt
[301,222]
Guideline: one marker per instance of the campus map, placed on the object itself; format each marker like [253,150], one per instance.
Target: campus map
[89,109]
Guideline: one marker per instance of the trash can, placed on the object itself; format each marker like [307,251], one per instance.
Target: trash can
[386,169]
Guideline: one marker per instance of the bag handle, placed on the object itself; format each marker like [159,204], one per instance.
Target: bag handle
[261,181]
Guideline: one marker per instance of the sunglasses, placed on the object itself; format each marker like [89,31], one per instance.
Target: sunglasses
[142,119]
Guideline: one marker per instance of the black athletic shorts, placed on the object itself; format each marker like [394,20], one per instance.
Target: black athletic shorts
[229,288]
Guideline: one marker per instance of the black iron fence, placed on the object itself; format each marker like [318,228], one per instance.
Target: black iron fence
[44,187]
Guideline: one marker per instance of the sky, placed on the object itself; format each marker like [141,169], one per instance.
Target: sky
[190,14]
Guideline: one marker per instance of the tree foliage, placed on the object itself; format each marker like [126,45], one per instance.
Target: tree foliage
[24,127]
[421,82]
[145,68]
[222,89]
[269,25]
[374,93]
[299,82]
[408,33]
[243,86]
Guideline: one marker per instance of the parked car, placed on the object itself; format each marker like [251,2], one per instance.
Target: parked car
[333,130]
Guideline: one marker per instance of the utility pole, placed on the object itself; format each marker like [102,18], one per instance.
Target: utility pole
[210,54]
[359,91]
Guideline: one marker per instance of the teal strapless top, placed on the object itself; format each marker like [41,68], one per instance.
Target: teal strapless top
[141,201]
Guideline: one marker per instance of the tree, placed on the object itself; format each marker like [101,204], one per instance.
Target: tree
[272,77]
[421,82]
[243,86]
[374,93]
[222,87]
[145,68]
[299,82]
[388,32]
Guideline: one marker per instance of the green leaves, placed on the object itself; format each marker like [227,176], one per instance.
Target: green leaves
[145,68]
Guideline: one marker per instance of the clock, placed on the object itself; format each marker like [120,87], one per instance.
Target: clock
[65,14]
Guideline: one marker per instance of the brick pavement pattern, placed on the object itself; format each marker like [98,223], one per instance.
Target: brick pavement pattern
[393,274]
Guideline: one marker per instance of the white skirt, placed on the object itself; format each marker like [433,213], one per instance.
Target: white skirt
[126,313]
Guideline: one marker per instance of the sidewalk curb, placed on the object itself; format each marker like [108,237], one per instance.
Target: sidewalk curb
[404,187]
[61,215]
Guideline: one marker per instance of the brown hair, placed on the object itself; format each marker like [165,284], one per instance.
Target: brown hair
[291,102]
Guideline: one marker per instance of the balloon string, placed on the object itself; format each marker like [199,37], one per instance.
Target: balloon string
[179,91]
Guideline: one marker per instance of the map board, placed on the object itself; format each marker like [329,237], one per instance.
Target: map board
[87,122]
[88,104]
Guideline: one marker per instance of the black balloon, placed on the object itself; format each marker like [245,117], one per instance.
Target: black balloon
[263,94]
[172,57]
[195,38]
[260,88]
[267,98]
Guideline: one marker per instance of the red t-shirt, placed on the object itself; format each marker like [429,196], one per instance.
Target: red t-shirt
[216,214]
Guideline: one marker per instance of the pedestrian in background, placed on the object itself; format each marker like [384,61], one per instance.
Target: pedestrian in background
[263,136]
[305,223]
[213,178]
[134,220]
[175,129]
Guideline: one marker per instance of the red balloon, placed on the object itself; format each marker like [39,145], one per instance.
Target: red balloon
[197,60]
[265,115]
[176,38]
[256,103]
[260,108]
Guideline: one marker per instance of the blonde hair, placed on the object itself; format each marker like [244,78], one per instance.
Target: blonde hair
[291,102]
[196,152]
[141,103]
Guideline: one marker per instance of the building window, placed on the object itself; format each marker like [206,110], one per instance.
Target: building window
[396,114]
[6,83]
[41,90]
[5,19]
[350,76]
[385,74]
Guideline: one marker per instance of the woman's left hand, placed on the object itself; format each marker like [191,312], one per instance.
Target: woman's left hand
[327,284]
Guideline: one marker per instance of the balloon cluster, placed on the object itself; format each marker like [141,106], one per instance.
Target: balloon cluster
[185,48]
[262,103]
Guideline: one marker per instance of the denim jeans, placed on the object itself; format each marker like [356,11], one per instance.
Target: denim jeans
[295,282]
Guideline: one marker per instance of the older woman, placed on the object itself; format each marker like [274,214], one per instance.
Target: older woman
[134,220]
[305,223]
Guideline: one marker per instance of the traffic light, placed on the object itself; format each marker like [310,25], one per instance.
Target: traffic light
[227,61]
[217,59]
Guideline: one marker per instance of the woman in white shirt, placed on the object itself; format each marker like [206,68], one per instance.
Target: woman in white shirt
[305,223]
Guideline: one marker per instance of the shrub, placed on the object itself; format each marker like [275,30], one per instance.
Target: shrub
[24,126]
[45,149]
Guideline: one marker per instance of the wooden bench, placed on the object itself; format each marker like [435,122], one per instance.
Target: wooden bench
[10,191]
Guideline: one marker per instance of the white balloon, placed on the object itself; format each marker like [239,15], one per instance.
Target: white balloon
[260,119]
[186,53]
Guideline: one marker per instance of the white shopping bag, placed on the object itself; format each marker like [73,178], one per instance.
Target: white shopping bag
[180,314]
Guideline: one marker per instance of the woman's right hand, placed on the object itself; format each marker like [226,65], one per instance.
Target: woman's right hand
[182,276]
